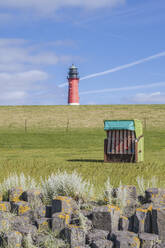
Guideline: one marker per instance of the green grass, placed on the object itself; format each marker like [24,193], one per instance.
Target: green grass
[41,152]
[72,138]
[50,117]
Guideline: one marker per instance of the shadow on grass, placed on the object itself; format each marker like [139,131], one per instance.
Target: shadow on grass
[86,160]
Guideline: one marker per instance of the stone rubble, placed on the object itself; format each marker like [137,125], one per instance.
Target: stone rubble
[136,225]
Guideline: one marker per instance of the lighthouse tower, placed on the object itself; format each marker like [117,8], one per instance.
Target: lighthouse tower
[73,90]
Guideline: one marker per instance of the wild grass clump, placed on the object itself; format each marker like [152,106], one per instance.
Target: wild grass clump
[144,184]
[73,185]
[51,241]
[108,191]
[66,184]
[115,196]
[14,180]
[121,196]
[61,183]
[28,242]
[83,222]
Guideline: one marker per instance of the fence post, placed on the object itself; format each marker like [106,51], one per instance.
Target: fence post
[67,125]
[145,123]
[25,126]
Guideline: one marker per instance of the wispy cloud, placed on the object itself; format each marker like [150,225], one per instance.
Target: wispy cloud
[15,87]
[63,43]
[136,87]
[13,96]
[119,68]
[21,69]
[19,55]
[122,67]
[149,98]
[49,6]
[5,17]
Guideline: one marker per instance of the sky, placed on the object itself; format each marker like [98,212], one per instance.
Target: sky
[117,45]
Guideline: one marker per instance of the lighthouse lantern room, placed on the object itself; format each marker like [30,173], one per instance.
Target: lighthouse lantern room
[73,90]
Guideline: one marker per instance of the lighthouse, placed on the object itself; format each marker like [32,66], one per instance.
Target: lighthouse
[73,88]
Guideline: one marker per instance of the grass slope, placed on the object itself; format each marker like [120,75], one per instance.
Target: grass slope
[48,145]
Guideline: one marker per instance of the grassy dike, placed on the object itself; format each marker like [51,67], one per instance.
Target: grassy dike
[55,139]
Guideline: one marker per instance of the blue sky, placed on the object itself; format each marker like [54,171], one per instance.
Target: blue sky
[40,39]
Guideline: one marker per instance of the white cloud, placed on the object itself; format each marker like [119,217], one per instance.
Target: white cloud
[23,81]
[5,17]
[21,68]
[28,76]
[12,67]
[150,98]
[47,6]
[10,96]
[15,86]
[63,43]
[19,55]
[12,42]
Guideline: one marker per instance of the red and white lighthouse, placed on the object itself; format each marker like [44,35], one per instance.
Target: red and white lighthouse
[73,90]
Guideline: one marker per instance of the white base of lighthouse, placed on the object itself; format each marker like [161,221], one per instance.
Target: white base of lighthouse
[74,104]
